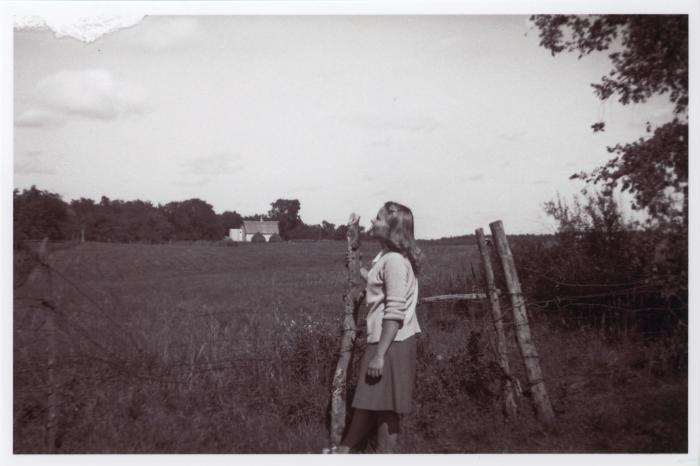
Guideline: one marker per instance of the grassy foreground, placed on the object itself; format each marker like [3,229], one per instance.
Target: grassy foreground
[202,349]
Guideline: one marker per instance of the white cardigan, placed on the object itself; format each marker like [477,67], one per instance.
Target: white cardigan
[392,293]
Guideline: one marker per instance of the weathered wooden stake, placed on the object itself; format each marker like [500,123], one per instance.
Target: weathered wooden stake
[51,386]
[352,300]
[528,351]
[510,406]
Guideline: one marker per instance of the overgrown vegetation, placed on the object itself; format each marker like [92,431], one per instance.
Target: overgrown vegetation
[602,271]
[206,349]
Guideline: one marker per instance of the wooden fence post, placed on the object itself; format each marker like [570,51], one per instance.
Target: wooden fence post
[528,351]
[510,407]
[50,328]
[351,299]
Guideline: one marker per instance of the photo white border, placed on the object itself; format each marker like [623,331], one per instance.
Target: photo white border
[483,7]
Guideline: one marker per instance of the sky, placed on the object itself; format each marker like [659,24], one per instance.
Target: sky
[463,118]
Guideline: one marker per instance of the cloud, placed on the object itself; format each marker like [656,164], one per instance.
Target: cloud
[379,144]
[200,171]
[33,168]
[307,189]
[413,124]
[509,137]
[218,164]
[159,34]
[657,111]
[38,118]
[382,192]
[474,177]
[539,182]
[404,124]
[195,183]
[90,93]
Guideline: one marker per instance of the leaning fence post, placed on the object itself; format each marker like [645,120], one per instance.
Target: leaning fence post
[510,406]
[50,327]
[528,351]
[351,299]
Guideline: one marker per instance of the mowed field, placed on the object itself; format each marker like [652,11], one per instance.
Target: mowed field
[211,349]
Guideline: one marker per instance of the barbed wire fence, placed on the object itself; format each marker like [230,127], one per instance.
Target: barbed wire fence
[70,344]
[40,318]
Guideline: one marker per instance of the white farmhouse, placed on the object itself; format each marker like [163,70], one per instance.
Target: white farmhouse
[236,234]
[267,228]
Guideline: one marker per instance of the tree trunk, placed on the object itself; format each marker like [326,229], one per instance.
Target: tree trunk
[352,300]
[510,407]
[528,351]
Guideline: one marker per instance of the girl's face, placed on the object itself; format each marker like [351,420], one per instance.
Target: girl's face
[380,226]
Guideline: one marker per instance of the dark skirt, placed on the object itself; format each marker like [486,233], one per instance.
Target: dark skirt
[393,391]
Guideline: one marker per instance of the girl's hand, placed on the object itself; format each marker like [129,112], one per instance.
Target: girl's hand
[363,271]
[375,366]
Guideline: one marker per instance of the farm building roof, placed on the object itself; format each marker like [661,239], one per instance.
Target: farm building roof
[268,227]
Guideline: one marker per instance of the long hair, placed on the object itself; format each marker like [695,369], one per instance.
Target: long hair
[401,238]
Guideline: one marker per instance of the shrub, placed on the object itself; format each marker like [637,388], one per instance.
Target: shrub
[258,238]
[275,238]
[306,358]
[602,269]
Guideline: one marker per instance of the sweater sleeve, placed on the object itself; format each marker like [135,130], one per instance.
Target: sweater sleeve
[396,288]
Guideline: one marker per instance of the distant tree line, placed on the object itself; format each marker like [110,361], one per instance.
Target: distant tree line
[39,213]
[470,239]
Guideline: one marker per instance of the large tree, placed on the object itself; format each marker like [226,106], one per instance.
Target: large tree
[83,215]
[142,221]
[228,220]
[38,214]
[286,212]
[649,56]
[193,219]
[328,229]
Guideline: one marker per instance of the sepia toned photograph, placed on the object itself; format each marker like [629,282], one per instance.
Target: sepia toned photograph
[350,233]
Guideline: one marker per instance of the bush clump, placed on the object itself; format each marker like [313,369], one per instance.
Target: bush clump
[307,354]
[258,238]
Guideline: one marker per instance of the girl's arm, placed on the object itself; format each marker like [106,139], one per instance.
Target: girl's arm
[363,273]
[389,330]
[395,287]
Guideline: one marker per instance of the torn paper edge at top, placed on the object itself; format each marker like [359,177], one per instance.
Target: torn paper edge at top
[85,28]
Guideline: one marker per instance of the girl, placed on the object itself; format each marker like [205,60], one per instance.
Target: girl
[388,367]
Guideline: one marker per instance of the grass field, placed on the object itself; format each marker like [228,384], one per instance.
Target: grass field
[202,349]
